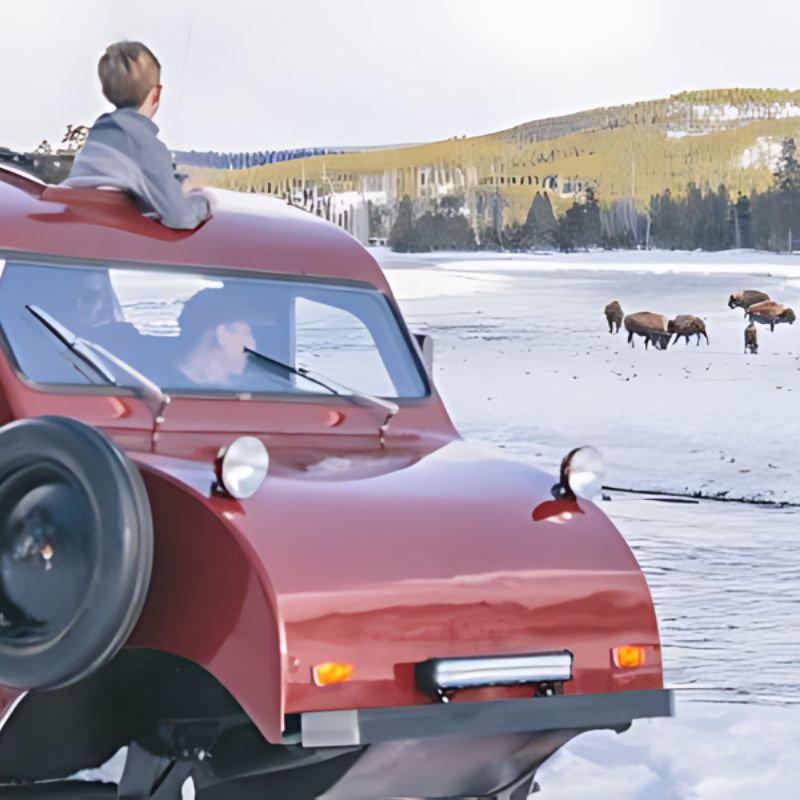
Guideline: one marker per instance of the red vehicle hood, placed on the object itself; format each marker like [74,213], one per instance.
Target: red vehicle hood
[387,559]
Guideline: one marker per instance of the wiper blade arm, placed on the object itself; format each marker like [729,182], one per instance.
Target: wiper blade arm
[72,342]
[387,408]
[290,370]
[87,350]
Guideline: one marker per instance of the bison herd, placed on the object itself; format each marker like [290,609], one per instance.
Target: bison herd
[657,330]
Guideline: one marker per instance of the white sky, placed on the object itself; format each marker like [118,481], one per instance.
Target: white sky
[271,74]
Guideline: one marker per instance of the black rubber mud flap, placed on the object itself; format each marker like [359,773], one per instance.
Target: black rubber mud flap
[76,551]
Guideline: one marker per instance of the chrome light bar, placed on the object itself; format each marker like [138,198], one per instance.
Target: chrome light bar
[461,673]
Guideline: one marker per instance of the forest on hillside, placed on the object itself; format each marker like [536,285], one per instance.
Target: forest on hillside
[702,218]
[212,159]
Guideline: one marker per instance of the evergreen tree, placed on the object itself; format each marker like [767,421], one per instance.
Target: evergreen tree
[401,238]
[742,222]
[592,230]
[452,204]
[563,237]
[540,225]
[579,228]
[665,222]
[442,232]
[787,174]
[714,233]
[514,237]
[489,240]
[787,182]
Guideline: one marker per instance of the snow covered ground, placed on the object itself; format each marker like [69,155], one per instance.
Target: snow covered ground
[523,359]
[707,752]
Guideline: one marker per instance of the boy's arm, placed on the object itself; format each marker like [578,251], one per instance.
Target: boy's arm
[164,193]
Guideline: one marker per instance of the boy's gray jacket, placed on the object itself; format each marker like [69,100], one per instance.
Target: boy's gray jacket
[123,150]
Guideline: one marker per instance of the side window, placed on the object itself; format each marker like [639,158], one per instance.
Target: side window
[337,344]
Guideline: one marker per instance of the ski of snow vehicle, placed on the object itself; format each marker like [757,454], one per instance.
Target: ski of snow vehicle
[242,538]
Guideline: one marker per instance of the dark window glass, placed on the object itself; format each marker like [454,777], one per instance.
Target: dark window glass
[188,331]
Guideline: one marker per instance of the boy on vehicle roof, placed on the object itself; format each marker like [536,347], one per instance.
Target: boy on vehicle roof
[123,149]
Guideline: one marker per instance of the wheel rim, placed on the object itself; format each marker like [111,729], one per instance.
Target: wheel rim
[48,552]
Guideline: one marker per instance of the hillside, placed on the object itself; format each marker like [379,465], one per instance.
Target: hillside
[729,137]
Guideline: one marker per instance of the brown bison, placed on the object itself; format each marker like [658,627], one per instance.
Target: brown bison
[746,298]
[751,338]
[686,325]
[614,316]
[651,327]
[770,313]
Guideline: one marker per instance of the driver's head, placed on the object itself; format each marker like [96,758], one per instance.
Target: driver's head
[214,334]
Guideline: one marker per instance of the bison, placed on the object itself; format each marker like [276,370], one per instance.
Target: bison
[686,325]
[770,313]
[751,339]
[614,316]
[652,327]
[746,298]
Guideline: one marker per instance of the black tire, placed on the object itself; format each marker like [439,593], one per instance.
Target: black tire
[76,551]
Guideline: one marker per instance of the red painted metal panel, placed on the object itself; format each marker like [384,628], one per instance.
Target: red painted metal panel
[349,552]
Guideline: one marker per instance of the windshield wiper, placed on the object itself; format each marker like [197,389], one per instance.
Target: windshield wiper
[73,343]
[88,351]
[387,408]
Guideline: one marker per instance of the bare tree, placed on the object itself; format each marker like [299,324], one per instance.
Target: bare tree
[75,137]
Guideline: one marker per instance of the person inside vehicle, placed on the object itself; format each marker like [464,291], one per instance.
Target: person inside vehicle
[212,341]
[96,301]
[99,316]
[123,150]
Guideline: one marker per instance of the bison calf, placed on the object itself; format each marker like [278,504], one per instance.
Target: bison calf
[751,339]
[614,316]
[686,325]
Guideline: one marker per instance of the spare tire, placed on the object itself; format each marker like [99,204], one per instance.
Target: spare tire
[76,551]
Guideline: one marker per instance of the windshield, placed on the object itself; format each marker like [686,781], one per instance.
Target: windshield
[191,333]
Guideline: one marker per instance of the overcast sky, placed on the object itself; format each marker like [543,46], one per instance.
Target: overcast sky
[272,74]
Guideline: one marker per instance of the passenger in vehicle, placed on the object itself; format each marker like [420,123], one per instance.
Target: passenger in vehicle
[97,302]
[213,335]
[100,317]
[123,150]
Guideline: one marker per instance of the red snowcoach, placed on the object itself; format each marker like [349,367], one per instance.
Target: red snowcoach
[240,536]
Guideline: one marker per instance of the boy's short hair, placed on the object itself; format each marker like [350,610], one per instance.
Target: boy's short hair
[128,71]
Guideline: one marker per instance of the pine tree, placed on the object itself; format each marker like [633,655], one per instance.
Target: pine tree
[592,230]
[489,240]
[401,238]
[787,182]
[514,237]
[787,174]
[540,225]
[579,228]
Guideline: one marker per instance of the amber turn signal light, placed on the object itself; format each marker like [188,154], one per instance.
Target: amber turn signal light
[628,656]
[332,672]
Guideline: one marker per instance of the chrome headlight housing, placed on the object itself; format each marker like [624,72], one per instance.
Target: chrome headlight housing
[581,474]
[242,466]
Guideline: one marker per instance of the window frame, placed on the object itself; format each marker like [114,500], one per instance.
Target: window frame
[212,271]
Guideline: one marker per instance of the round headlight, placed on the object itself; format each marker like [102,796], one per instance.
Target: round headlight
[242,466]
[582,472]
